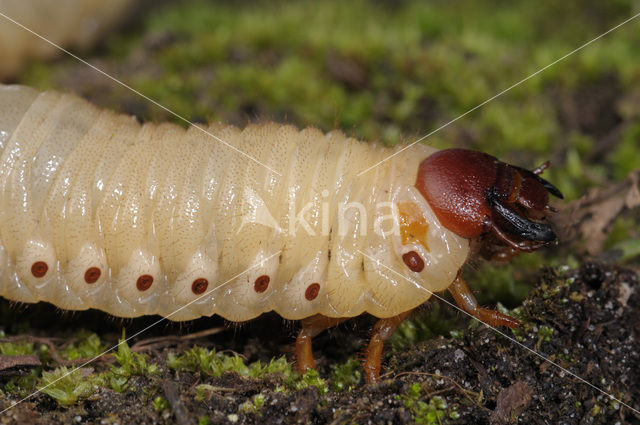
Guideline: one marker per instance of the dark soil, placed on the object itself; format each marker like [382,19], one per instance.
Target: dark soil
[575,318]
[585,320]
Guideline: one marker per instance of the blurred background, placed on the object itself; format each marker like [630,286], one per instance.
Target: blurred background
[386,71]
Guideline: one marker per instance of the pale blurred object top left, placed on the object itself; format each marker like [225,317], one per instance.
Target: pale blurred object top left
[71,24]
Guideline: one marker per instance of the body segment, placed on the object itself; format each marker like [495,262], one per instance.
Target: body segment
[143,219]
[99,211]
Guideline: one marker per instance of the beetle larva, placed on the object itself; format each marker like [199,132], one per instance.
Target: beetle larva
[98,211]
[69,23]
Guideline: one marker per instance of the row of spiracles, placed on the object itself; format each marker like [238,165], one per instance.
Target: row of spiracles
[100,211]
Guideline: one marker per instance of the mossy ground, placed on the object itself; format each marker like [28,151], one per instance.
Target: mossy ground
[382,71]
[584,320]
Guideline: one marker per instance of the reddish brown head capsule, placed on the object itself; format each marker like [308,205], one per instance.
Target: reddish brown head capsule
[474,194]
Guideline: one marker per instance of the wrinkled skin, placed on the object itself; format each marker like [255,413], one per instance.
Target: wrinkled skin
[499,207]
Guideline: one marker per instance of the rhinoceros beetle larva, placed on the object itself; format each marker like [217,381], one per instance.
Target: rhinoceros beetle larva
[99,211]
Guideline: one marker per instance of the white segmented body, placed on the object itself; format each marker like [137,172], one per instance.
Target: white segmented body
[84,189]
[74,24]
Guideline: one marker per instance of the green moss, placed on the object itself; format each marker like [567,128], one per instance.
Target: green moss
[508,283]
[68,386]
[253,405]
[433,411]
[544,334]
[388,73]
[16,348]
[258,400]
[23,386]
[521,126]
[379,72]
[626,159]
[40,76]
[159,404]
[131,364]
[212,363]
[345,376]
[424,326]
[88,346]
[623,237]
[630,248]
[310,378]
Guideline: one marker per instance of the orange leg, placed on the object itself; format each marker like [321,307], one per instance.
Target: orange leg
[311,326]
[382,331]
[466,301]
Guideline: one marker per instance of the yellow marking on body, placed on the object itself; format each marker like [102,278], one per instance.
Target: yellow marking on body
[413,224]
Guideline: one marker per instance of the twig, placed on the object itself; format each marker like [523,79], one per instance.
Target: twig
[164,341]
[173,397]
[55,356]
[18,365]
